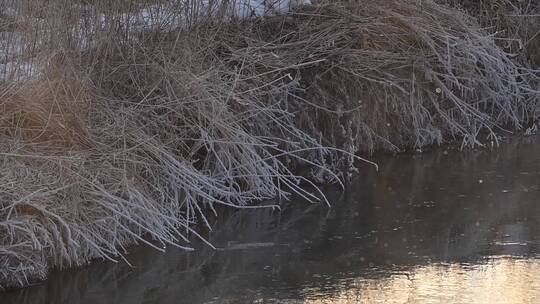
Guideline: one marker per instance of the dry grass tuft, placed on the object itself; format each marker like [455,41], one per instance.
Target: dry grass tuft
[131,133]
[44,114]
[514,23]
[390,75]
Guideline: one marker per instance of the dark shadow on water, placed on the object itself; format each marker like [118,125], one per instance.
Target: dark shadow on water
[443,227]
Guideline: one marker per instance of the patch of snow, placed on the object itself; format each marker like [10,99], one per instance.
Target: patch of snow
[170,14]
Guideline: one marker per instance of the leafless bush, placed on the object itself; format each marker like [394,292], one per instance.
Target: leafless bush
[131,130]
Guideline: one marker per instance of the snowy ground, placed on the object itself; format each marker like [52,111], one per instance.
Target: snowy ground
[163,15]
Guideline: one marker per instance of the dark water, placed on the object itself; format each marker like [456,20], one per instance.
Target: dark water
[443,227]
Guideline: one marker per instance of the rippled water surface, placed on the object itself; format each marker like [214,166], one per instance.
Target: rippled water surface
[443,227]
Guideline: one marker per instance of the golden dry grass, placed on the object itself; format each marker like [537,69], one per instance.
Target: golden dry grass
[45,114]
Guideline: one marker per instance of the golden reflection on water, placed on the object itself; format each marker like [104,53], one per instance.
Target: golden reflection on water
[501,280]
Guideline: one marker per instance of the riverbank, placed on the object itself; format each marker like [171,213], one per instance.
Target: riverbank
[453,215]
[131,135]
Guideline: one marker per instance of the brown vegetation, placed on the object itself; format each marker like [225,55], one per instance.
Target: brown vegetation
[514,23]
[127,133]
